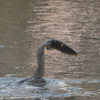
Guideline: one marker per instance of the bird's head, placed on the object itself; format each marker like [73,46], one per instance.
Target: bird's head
[60,46]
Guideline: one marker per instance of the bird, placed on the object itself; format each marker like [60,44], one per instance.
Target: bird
[37,78]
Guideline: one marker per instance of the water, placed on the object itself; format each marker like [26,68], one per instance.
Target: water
[53,89]
[25,25]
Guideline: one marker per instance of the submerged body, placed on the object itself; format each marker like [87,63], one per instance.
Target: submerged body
[37,78]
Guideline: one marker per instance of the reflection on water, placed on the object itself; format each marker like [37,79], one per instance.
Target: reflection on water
[25,25]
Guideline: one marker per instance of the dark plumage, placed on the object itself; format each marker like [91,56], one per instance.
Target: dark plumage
[37,78]
[58,45]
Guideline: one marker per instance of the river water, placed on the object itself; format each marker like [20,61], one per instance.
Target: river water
[26,24]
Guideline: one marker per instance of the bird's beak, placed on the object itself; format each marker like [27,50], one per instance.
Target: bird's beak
[47,51]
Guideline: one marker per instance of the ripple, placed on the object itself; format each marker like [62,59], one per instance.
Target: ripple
[53,89]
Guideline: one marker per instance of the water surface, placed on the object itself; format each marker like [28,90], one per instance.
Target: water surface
[25,25]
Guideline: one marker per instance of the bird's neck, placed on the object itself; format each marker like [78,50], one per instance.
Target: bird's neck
[41,65]
[39,73]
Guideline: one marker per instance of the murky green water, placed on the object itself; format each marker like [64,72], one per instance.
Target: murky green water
[26,24]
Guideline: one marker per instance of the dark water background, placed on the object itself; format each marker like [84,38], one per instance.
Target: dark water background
[26,24]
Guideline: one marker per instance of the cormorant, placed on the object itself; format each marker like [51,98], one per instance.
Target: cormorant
[37,78]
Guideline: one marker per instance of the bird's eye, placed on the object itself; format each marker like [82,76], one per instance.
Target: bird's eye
[48,47]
